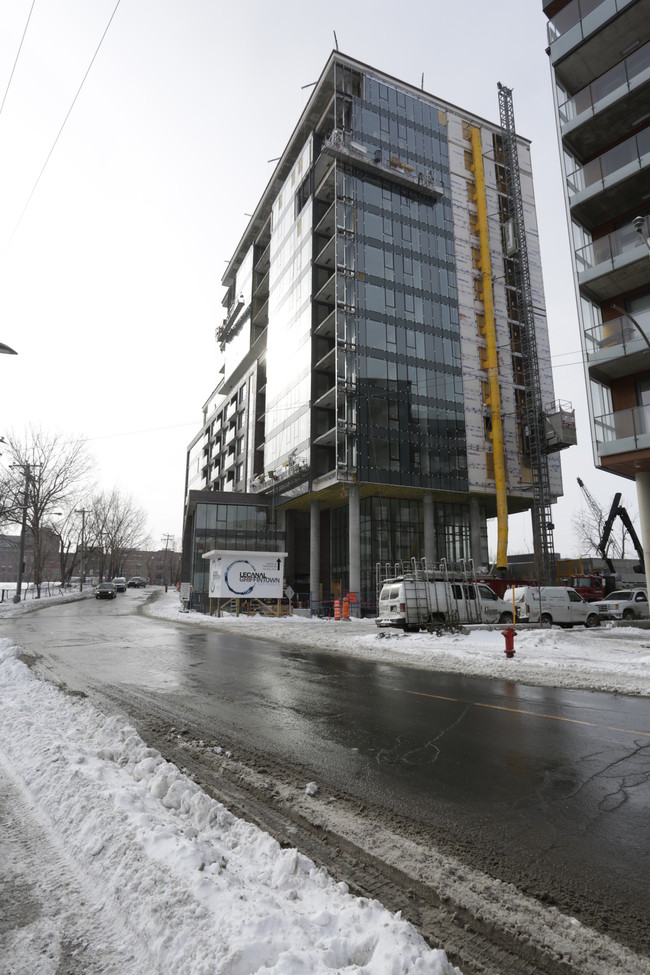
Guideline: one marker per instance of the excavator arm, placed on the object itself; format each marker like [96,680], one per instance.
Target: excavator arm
[617,511]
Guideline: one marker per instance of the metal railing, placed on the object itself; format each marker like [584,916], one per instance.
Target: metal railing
[582,17]
[596,171]
[605,249]
[617,80]
[617,335]
[623,425]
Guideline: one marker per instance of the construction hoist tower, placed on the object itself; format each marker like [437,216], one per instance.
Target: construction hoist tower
[534,421]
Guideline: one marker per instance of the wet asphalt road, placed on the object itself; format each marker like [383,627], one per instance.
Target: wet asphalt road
[544,783]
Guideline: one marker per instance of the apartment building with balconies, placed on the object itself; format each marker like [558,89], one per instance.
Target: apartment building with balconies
[599,53]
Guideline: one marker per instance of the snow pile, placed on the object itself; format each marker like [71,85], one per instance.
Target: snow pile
[192,889]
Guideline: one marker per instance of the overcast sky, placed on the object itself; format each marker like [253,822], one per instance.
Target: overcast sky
[110,278]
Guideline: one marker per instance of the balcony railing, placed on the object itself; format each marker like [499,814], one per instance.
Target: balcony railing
[634,153]
[617,81]
[617,433]
[581,17]
[605,249]
[616,337]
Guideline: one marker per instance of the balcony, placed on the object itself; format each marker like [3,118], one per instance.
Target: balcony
[580,36]
[325,292]
[613,265]
[623,432]
[612,183]
[327,400]
[261,312]
[327,362]
[605,110]
[261,286]
[327,224]
[263,262]
[327,439]
[326,327]
[327,255]
[615,349]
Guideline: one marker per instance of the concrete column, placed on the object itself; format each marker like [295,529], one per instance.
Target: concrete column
[643,500]
[475,531]
[354,537]
[314,557]
[429,528]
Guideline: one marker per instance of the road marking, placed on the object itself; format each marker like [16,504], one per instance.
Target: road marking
[534,714]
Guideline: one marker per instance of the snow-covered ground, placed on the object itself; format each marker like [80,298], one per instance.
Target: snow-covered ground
[117,862]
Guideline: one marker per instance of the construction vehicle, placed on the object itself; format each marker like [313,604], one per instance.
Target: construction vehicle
[606,540]
[590,586]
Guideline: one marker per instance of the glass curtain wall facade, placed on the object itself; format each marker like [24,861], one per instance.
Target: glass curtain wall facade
[410,393]
[222,524]
[392,530]
[389,391]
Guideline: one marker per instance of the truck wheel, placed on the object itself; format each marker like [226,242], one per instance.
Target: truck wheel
[628,614]
[592,620]
[505,618]
[546,620]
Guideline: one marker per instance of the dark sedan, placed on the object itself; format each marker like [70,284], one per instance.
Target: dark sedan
[105,590]
[137,582]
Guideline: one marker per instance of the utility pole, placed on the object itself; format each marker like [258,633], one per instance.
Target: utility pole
[23,528]
[82,512]
[166,539]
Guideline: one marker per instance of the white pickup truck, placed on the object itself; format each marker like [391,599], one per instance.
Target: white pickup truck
[624,604]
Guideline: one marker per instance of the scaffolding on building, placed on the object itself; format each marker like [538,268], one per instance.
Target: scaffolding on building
[534,421]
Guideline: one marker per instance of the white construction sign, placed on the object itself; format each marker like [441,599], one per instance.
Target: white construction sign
[246,575]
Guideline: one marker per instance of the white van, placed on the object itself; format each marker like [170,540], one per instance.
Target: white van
[552,604]
[413,604]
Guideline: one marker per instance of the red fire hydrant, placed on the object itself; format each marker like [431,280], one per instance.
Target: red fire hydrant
[510,633]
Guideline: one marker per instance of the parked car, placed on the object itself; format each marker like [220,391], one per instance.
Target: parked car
[105,590]
[120,583]
[624,604]
[137,582]
[552,604]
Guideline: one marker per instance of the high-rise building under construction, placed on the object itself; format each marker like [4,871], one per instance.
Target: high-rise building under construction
[373,401]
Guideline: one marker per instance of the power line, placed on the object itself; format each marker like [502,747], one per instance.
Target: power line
[63,124]
[20,47]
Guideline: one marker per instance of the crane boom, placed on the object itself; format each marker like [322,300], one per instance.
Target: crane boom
[599,515]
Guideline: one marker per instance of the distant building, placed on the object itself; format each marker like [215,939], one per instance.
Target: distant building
[10,557]
[600,59]
[370,395]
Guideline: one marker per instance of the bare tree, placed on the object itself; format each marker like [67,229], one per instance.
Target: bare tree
[117,527]
[44,474]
